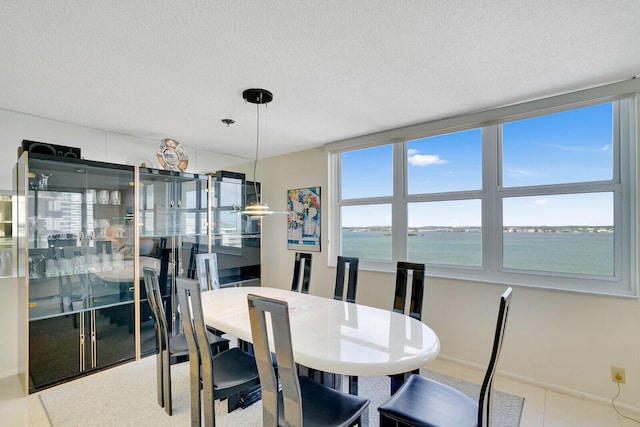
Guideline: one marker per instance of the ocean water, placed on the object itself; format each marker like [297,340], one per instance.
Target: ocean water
[578,252]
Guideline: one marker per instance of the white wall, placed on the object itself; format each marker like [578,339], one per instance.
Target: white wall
[565,341]
[95,144]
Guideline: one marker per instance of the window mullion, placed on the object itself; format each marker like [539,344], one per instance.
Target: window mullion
[399,204]
[491,202]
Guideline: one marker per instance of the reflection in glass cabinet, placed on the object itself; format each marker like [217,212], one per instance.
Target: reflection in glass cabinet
[78,241]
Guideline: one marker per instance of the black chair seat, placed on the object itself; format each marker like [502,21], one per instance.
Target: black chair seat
[428,403]
[345,408]
[233,368]
[178,344]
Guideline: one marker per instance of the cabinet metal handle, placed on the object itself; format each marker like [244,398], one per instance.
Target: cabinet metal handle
[94,343]
[179,203]
[171,204]
[81,236]
[81,322]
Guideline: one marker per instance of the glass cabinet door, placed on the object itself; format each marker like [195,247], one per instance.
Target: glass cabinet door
[235,236]
[172,204]
[80,266]
[80,235]
[173,228]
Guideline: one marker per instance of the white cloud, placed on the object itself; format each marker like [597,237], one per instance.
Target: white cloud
[606,148]
[416,159]
[542,201]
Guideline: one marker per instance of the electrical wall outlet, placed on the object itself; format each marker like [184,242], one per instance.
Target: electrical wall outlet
[617,375]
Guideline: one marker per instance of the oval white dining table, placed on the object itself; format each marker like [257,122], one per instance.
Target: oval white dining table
[329,335]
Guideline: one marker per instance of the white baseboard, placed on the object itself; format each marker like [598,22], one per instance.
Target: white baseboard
[9,373]
[635,411]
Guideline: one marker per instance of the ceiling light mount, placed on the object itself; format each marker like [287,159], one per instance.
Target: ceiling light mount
[228,121]
[257,96]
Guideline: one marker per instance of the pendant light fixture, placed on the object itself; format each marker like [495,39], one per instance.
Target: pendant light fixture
[257,209]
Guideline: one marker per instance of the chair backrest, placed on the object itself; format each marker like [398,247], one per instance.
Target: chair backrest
[207,267]
[191,269]
[486,392]
[200,354]
[280,327]
[352,282]
[192,317]
[165,254]
[154,298]
[301,272]
[403,271]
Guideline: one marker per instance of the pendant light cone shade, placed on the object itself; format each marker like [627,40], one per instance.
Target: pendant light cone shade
[257,209]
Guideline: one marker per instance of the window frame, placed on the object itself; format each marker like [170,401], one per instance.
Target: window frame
[623,184]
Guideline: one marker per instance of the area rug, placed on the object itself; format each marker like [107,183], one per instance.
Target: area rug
[126,396]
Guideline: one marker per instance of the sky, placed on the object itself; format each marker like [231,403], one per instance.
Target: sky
[565,147]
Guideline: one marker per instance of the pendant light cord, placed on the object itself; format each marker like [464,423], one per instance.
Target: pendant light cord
[255,163]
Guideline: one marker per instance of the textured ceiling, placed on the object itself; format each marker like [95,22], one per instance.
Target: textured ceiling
[337,69]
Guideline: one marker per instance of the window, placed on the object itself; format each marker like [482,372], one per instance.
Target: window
[446,232]
[546,199]
[443,163]
[366,231]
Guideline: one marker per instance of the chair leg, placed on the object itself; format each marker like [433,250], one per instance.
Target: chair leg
[396,382]
[194,386]
[167,382]
[208,402]
[217,349]
[399,379]
[353,385]
[363,421]
[160,378]
[387,422]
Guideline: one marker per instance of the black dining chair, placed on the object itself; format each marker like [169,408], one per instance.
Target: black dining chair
[416,271]
[207,272]
[404,272]
[170,348]
[301,272]
[207,269]
[289,399]
[346,266]
[424,402]
[220,376]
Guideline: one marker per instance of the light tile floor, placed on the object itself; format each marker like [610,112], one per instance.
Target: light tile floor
[542,408]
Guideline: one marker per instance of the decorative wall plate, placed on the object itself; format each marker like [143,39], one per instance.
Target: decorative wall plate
[172,155]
